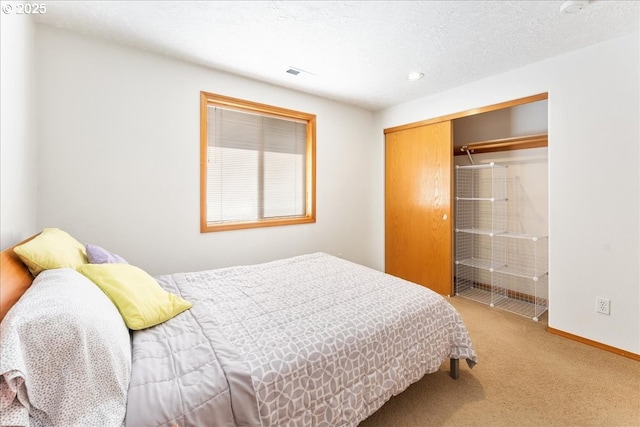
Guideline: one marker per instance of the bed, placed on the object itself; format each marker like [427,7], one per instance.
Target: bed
[311,340]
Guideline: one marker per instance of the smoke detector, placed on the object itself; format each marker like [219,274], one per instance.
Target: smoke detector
[573,6]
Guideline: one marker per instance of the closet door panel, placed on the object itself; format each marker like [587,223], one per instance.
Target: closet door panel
[418,211]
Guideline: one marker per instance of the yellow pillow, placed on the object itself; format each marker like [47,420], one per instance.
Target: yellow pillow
[141,301]
[53,248]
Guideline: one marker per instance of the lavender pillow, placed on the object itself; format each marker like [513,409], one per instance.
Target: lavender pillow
[99,255]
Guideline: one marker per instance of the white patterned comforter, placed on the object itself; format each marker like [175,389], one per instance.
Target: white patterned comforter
[312,340]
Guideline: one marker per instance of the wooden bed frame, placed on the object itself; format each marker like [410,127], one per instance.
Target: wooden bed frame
[15,278]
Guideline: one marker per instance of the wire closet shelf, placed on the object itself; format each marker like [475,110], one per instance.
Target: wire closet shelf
[494,263]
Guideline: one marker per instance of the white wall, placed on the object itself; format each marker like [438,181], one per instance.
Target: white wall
[17,138]
[594,183]
[119,159]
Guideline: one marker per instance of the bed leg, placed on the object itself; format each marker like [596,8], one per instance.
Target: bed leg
[455,368]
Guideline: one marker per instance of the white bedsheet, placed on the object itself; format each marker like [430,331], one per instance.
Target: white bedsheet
[65,356]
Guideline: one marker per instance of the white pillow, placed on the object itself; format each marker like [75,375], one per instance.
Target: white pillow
[66,344]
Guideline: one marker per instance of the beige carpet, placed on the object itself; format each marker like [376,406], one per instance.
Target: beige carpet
[525,377]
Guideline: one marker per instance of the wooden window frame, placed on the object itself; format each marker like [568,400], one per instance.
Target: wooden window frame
[210,99]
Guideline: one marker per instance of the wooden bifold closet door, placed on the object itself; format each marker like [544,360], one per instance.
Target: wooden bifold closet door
[418,208]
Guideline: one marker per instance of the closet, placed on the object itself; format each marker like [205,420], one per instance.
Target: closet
[420,187]
[501,221]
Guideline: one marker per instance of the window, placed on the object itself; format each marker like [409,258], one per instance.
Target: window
[257,165]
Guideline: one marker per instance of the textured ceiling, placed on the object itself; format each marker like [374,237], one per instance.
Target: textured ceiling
[357,52]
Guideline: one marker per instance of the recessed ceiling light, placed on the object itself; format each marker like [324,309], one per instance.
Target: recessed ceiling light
[293,71]
[573,6]
[415,76]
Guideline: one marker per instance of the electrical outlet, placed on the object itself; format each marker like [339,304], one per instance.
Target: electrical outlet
[603,305]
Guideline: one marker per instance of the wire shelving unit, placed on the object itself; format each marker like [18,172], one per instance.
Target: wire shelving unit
[495,265]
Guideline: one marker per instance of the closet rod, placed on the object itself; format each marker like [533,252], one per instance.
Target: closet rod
[505,144]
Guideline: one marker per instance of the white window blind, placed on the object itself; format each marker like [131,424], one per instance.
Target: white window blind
[255,166]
